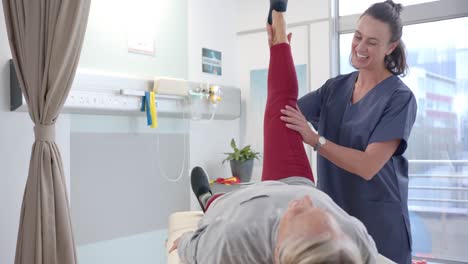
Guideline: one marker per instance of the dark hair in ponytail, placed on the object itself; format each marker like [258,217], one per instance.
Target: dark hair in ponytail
[389,13]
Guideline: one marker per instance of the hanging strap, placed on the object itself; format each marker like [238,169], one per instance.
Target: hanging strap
[44,132]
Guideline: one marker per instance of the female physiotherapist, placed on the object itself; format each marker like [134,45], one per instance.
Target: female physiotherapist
[363,121]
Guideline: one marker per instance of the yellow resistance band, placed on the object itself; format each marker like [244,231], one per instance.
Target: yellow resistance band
[154,114]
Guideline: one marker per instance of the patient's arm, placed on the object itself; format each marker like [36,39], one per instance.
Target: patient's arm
[175,245]
[185,246]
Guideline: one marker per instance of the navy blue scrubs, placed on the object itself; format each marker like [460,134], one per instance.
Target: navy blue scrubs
[385,113]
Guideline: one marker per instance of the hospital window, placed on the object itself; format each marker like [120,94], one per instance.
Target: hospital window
[436,105]
[438,146]
[421,104]
[440,85]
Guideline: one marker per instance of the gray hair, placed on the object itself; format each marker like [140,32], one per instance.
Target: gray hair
[321,249]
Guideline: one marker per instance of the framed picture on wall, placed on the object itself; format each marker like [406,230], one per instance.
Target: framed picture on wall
[211,61]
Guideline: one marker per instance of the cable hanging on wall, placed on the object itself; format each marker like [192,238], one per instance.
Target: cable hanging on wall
[158,153]
[201,98]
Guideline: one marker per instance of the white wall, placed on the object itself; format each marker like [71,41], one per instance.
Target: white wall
[110,21]
[16,139]
[254,12]
[212,24]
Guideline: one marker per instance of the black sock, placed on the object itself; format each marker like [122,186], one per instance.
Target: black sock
[278,6]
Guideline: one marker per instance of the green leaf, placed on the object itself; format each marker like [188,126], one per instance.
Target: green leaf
[233,144]
[246,149]
[240,154]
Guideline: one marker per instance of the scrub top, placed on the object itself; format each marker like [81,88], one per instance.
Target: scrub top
[385,113]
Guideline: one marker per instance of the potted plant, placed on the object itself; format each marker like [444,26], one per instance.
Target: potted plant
[241,161]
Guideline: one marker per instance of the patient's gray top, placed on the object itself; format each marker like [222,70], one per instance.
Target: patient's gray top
[241,226]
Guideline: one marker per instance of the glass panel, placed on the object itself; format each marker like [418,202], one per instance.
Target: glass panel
[348,7]
[438,147]
[123,189]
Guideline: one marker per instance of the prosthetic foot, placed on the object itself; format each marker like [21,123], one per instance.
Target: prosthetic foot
[200,186]
[277,5]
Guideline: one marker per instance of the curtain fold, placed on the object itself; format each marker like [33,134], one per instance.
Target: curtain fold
[45,37]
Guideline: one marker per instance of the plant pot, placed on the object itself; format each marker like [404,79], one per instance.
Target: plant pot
[243,170]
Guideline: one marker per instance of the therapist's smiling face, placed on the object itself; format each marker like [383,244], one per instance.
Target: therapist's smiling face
[371,42]
[303,219]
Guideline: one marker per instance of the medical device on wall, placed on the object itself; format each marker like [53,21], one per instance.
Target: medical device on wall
[204,98]
[107,93]
[171,86]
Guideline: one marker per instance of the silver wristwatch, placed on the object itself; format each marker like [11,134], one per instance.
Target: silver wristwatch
[321,141]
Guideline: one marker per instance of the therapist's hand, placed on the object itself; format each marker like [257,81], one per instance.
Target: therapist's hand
[296,121]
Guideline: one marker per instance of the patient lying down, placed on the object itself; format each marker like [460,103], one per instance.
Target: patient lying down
[283,219]
[286,221]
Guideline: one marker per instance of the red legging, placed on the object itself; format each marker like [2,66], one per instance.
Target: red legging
[283,154]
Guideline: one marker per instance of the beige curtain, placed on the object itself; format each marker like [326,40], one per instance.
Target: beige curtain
[45,40]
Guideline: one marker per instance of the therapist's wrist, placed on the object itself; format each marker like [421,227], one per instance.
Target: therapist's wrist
[321,141]
[312,140]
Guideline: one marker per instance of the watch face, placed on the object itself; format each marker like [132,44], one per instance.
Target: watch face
[322,140]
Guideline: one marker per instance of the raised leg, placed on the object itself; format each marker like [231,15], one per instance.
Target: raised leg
[284,154]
